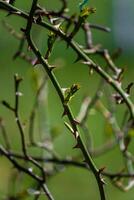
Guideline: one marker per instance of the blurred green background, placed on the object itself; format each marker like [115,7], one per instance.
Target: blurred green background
[72,183]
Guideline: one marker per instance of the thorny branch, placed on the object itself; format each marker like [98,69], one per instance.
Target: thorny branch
[112,75]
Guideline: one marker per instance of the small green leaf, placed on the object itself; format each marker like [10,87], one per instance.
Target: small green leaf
[86,11]
[69,92]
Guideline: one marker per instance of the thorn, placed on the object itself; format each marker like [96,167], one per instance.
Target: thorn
[76,146]
[103,181]
[39,19]
[129,88]
[23,30]
[52,68]
[64,113]
[87,63]
[120,75]
[19,94]
[72,130]
[101,169]
[76,134]
[77,59]
[35,62]
[17,78]
[76,122]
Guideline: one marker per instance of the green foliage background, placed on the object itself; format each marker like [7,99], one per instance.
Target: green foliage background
[71,183]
